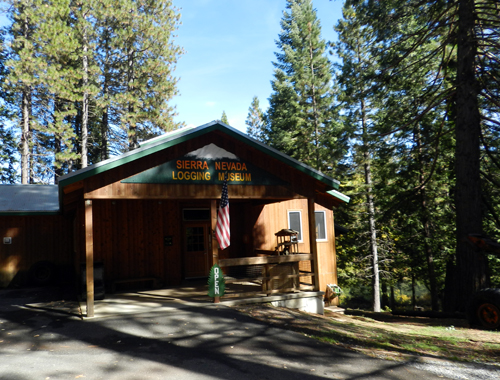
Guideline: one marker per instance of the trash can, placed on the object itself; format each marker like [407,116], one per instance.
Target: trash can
[99,291]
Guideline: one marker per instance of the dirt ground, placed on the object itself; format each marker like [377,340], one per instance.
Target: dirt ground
[386,336]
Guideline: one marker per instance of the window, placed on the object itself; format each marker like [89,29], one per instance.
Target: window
[320,223]
[295,223]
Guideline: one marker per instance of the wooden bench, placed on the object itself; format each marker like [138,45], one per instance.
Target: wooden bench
[152,280]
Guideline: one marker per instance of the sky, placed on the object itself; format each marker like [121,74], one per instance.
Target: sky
[229,49]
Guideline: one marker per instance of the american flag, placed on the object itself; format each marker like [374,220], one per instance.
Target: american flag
[222,232]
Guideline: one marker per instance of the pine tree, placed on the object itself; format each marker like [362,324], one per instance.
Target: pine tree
[360,106]
[255,120]
[22,66]
[145,57]
[60,78]
[461,38]
[7,156]
[282,127]
[87,76]
[8,143]
[300,114]
[223,118]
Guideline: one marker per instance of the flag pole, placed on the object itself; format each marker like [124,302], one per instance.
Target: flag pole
[222,227]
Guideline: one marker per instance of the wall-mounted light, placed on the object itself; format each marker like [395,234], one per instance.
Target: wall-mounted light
[7,240]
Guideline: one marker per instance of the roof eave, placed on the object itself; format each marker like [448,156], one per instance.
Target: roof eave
[180,136]
[339,195]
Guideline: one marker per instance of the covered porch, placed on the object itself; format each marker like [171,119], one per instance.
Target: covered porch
[150,215]
[193,293]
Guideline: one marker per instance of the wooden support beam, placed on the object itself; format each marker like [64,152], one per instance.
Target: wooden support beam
[312,240]
[89,257]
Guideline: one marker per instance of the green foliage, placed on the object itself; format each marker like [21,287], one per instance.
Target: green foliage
[223,118]
[400,76]
[8,160]
[300,118]
[88,79]
[255,121]
[8,143]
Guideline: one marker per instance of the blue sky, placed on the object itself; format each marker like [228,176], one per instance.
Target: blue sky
[230,47]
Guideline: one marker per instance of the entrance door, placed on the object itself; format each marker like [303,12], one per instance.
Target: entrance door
[196,250]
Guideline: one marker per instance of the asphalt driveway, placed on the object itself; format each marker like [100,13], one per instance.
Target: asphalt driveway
[43,336]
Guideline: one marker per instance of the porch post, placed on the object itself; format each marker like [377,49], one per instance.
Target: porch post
[89,257]
[312,240]
[214,247]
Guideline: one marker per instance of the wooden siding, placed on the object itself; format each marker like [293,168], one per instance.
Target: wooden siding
[118,190]
[327,254]
[274,217]
[34,238]
[129,239]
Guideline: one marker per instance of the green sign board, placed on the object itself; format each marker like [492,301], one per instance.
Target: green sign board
[216,282]
[206,166]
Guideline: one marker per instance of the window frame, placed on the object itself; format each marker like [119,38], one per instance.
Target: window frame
[300,236]
[325,230]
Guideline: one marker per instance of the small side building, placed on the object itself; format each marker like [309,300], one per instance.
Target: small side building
[37,238]
[151,214]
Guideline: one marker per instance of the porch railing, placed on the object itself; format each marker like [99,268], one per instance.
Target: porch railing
[279,274]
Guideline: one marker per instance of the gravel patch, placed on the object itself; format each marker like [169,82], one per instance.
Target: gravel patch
[460,371]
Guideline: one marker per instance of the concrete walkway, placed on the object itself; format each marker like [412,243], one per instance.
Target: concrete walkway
[42,336]
[195,294]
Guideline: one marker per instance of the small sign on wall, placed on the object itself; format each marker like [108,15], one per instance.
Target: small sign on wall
[7,240]
[168,241]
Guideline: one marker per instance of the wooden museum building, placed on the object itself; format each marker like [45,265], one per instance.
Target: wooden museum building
[148,218]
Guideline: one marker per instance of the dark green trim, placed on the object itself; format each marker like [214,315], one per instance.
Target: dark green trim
[180,136]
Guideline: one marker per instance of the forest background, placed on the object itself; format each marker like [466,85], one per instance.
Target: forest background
[403,109]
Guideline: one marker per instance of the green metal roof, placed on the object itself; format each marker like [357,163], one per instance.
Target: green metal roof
[339,195]
[184,134]
[28,200]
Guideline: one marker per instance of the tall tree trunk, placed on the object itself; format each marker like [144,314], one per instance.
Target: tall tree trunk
[314,103]
[429,255]
[58,171]
[132,128]
[103,149]
[26,113]
[85,103]
[413,291]
[385,297]
[393,298]
[471,263]
[373,237]
[25,136]
[106,68]
[371,211]
[103,146]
